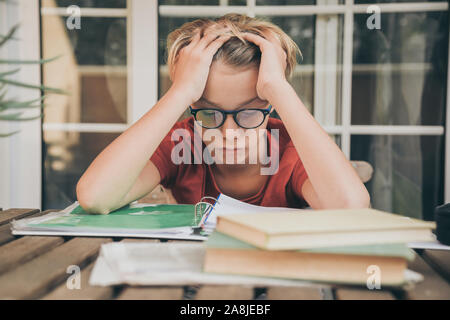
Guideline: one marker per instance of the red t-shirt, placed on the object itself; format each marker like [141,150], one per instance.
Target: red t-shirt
[189,182]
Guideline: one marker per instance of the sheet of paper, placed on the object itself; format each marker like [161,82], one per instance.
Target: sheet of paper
[167,264]
[226,205]
[435,245]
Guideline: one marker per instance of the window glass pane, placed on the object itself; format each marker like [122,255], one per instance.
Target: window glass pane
[407,177]
[189,2]
[301,29]
[66,156]
[86,3]
[284,2]
[336,138]
[167,25]
[237,2]
[92,68]
[400,70]
[392,1]
[296,2]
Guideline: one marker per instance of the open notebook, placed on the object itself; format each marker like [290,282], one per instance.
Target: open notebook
[165,221]
[143,220]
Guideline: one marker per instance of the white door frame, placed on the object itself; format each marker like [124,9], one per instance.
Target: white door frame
[143,57]
[20,154]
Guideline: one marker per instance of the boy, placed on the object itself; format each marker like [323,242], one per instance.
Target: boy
[231,73]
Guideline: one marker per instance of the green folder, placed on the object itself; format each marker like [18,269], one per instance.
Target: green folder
[150,217]
[140,220]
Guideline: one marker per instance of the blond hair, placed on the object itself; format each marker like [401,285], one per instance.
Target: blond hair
[236,51]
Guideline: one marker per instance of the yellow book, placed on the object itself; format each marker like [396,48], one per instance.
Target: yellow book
[344,264]
[323,228]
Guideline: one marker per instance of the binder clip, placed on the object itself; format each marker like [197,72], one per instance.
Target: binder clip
[202,212]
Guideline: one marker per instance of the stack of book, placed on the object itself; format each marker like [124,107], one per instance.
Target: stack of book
[338,246]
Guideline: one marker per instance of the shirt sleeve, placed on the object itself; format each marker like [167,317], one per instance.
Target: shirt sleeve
[298,178]
[161,158]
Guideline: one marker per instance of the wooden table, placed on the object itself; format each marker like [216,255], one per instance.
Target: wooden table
[35,267]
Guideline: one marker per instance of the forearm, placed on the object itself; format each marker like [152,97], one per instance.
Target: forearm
[333,178]
[114,171]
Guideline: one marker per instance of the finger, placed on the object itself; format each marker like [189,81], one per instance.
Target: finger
[216,44]
[256,39]
[272,38]
[211,34]
[195,38]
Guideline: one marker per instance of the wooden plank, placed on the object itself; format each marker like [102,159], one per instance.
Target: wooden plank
[439,260]
[433,286]
[86,291]
[5,230]
[363,294]
[24,249]
[151,293]
[6,235]
[10,214]
[35,278]
[224,292]
[293,293]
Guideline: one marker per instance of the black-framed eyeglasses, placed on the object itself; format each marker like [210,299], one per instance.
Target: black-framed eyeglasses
[211,118]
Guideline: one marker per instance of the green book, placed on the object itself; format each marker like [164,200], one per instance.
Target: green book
[342,264]
[139,220]
[220,240]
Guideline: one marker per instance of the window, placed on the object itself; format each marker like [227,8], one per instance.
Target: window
[93,69]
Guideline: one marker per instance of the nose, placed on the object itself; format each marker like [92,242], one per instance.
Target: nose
[230,139]
[229,123]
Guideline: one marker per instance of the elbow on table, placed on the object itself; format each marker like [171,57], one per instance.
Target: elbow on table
[86,201]
[358,202]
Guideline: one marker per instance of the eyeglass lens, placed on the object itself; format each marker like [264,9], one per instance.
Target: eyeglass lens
[244,118]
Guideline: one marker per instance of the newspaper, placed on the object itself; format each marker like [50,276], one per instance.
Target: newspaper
[167,263]
[178,263]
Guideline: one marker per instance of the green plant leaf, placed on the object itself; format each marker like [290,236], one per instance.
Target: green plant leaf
[2,92]
[32,86]
[4,135]
[14,103]
[7,103]
[16,117]
[19,105]
[10,116]
[2,61]
[9,36]
[8,73]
